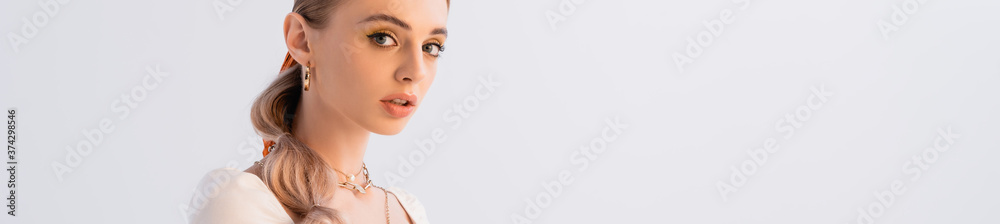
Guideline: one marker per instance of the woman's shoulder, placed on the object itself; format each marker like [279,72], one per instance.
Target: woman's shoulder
[228,195]
[410,204]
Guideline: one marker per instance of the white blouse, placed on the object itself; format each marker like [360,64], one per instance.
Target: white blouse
[227,195]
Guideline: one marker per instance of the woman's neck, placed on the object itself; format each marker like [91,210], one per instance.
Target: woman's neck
[338,140]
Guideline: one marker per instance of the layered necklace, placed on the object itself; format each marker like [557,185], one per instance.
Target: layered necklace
[349,184]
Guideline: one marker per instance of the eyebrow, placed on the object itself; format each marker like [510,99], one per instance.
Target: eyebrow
[400,23]
[441,31]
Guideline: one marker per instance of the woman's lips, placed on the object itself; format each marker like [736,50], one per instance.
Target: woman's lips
[399,105]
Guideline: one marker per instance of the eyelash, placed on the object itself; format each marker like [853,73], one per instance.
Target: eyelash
[372,37]
[439,50]
[387,34]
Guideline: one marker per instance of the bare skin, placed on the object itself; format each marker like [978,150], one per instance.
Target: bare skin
[365,51]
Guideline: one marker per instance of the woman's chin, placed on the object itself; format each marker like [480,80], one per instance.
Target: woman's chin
[391,126]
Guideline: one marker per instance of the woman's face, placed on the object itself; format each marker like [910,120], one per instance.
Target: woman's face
[374,60]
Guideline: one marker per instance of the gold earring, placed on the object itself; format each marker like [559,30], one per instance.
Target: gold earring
[305,83]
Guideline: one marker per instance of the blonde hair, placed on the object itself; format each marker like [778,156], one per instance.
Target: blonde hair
[297,176]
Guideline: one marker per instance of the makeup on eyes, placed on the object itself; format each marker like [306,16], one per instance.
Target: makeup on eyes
[437,53]
[375,38]
[383,34]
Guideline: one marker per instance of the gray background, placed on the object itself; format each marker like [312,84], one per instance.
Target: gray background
[686,130]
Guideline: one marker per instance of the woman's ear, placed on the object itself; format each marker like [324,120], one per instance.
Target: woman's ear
[296,38]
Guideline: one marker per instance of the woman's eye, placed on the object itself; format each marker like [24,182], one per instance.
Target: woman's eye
[433,49]
[382,39]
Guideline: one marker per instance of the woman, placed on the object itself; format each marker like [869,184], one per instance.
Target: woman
[353,68]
